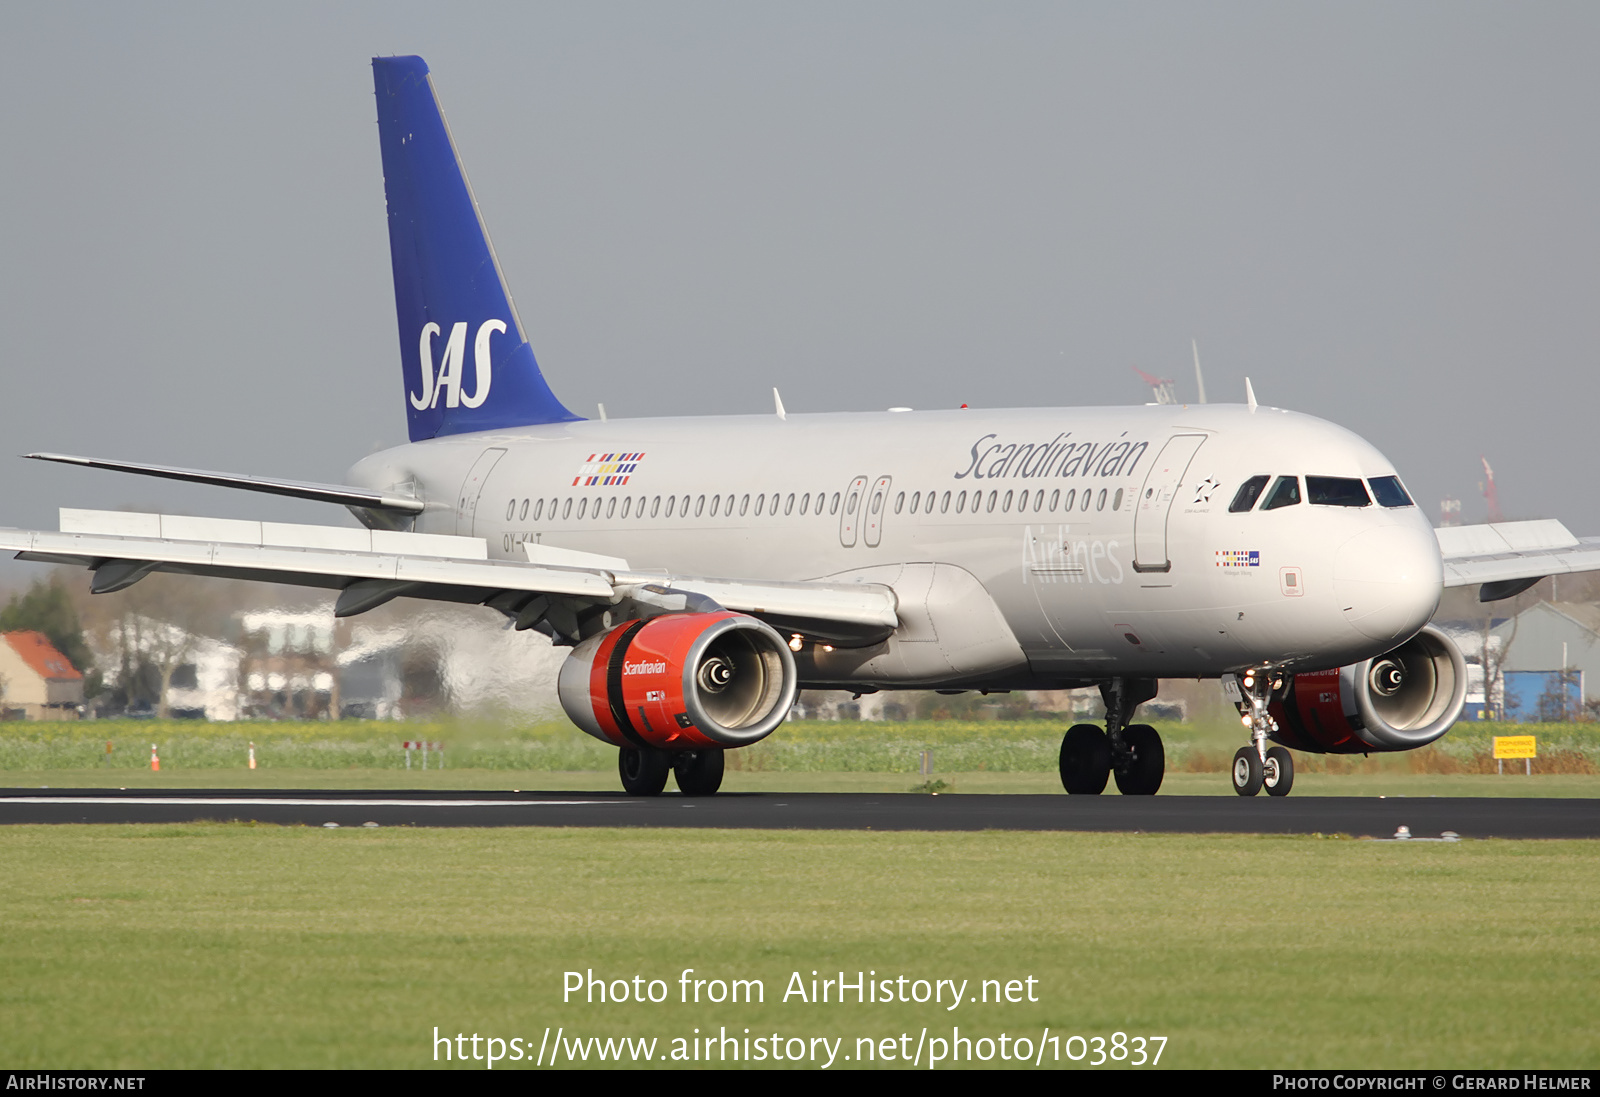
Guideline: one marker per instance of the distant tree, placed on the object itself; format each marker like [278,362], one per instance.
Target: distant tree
[46,606]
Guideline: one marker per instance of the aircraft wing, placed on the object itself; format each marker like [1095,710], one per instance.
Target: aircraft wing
[368,567]
[1506,558]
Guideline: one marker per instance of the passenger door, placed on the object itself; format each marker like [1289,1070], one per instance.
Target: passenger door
[1155,501]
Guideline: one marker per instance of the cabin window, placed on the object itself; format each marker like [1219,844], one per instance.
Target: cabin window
[899,502]
[788,505]
[761,499]
[804,501]
[671,499]
[744,505]
[1055,499]
[716,501]
[538,505]
[700,505]
[523,517]
[511,509]
[655,506]
[583,505]
[1072,499]
[1087,496]
[611,508]
[1101,505]
[835,508]
[1336,491]
[1116,500]
[1248,493]
[1285,493]
[1005,504]
[566,510]
[916,497]
[626,506]
[1390,492]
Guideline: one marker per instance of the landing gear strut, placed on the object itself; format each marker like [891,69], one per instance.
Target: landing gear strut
[1258,766]
[1133,752]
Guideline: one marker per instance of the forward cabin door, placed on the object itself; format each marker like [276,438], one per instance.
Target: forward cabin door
[1161,485]
[472,490]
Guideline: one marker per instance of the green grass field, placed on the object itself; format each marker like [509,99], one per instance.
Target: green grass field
[994,746]
[256,946]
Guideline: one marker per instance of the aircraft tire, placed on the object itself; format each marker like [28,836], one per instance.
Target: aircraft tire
[1247,771]
[1278,774]
[643,772]
[699,772]
[1085,760]
[1142,776]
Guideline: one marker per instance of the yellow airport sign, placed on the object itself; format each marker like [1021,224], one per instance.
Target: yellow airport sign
[1514,746]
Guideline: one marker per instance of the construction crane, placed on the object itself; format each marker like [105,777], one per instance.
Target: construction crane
[1162,387]
[1490,496]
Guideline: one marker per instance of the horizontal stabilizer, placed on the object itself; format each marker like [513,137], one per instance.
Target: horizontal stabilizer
[296,489]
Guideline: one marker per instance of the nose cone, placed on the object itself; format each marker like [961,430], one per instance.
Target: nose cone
[1388,580]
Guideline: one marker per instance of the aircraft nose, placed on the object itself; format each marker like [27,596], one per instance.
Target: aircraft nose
[1388,580]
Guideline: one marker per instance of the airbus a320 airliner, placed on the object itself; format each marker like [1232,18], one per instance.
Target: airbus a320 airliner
[1042,548]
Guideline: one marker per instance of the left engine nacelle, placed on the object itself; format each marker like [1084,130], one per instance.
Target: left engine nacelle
[1400,700]
[681,681]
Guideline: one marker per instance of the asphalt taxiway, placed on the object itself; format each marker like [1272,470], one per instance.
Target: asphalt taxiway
[1430,817]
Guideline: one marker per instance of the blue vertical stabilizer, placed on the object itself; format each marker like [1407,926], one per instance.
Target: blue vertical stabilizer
[463,350]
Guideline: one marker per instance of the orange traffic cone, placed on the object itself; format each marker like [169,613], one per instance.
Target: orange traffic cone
[155,762]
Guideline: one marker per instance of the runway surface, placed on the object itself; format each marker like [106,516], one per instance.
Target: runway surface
[1469,817]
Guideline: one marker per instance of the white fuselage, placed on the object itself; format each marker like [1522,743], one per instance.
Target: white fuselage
[1107,551]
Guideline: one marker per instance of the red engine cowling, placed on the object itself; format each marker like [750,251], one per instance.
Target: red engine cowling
[1401,700]
[681,681]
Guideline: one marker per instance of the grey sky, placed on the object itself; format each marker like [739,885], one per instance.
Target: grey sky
[1384,214]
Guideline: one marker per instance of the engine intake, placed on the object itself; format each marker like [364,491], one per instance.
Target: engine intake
[681,681]
[1400,700]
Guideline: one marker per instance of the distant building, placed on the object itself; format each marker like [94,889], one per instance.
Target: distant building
[1555,637]
[36,681]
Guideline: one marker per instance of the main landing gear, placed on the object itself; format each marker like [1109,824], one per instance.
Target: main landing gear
[1259,766]
[1131,752]
[644,771]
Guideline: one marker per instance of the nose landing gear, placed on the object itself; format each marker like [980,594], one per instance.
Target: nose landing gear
[1258,766]
[1131,752]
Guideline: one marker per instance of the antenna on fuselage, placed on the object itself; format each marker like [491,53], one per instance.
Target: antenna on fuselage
[777,404]
[602,408]
[1249,395]
[1199,378]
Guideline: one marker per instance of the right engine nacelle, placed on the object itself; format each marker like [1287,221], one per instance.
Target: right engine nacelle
[681,681]
[1401,700]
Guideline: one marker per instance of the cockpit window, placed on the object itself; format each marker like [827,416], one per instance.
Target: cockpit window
[1285,493]
[1248,493]
[1336,491]
[1389,492]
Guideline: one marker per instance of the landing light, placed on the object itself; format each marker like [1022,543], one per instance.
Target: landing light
[1245,720]
[795,642]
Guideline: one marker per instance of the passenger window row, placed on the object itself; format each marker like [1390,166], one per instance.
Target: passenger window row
[586,508]
[1024,501]
[580,508]
[1322,491]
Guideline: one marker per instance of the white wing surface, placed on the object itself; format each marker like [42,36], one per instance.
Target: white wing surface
[1507,558]
[369,567]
